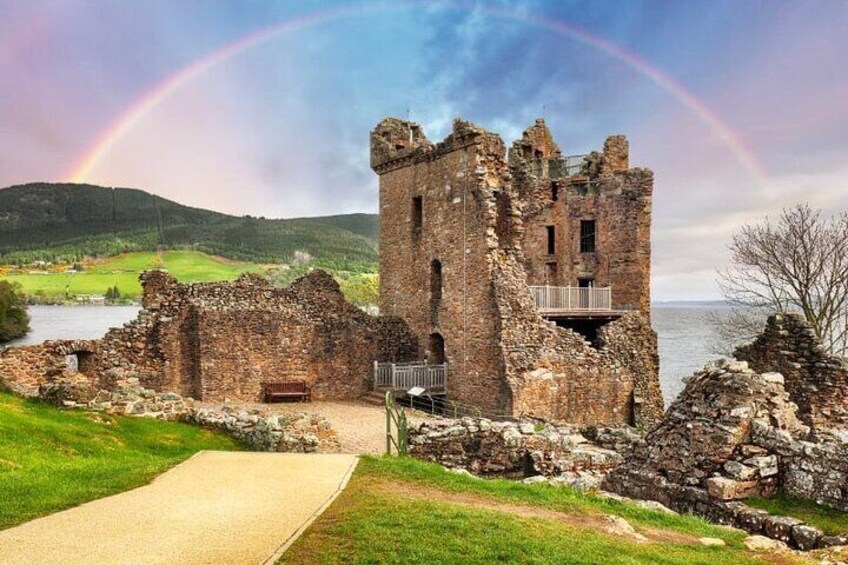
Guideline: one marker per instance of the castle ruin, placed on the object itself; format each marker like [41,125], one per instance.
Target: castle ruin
[519,279]
[527,273]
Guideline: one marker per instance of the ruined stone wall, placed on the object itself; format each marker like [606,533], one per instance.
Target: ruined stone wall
[503,357]
[555,373]
[816,381]
[731,434]
[492,448]
[212,341]
[24,369]
[616,197]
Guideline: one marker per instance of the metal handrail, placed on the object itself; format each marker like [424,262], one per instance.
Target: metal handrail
[404,376]
[571,298]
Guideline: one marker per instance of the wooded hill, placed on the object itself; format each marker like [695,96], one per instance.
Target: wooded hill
[64,222]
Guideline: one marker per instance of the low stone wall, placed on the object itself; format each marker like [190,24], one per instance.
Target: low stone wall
[519,450]
[731,434]
[23,369]
[816,471]
[262,431]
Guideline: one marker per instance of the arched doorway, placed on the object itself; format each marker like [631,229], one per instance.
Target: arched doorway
[437,349]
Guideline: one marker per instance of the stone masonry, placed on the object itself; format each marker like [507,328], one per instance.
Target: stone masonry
[732,434]
[260,430]
[459,230]
[816,381]
[216,341]
[559,193]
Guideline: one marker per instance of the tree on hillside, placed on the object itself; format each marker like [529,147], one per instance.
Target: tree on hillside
[798,263]
[113,294]
[14,320]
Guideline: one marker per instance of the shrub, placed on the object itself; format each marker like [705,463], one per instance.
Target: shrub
[14,320]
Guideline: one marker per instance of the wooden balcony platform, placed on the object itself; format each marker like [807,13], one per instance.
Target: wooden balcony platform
[554,314]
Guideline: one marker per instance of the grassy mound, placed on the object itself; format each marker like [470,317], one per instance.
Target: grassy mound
[406,511]
[52,459]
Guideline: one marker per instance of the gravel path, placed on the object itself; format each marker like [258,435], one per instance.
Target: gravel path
[216,508]
[361,426]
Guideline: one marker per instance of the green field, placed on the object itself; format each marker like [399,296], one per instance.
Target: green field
[123,270]
[52,459]
[406,511]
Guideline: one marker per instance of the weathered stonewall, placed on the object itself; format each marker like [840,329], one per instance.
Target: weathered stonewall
[519,450]
[731,434]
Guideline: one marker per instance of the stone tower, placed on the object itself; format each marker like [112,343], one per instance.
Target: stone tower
[460,232]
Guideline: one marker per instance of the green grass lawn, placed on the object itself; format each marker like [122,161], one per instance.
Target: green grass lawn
[406,511]
[123,270]
[829,520]
[52,459]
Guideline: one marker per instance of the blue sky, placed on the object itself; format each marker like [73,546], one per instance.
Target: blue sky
[280,128]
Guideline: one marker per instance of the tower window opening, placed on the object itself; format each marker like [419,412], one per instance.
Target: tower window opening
[551,239]
[587,236]
[417,214]
[436,279]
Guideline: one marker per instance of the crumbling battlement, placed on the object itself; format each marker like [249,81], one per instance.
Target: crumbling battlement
[587,218]
[816,381]
[458,232]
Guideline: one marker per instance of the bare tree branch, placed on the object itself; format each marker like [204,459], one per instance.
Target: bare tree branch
[797,264]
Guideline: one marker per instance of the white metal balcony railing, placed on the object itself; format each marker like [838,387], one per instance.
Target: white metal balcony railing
[571,298]
[404,376]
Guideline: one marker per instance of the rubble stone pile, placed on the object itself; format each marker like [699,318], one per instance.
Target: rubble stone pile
[518,450]
[259,429]
[732,434]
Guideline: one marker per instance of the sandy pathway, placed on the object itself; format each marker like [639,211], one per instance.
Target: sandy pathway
[361,427]
[217,507]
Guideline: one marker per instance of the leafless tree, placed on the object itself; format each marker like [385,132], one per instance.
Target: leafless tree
[797,264]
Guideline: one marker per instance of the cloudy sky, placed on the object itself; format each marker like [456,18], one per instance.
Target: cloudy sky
[264,108]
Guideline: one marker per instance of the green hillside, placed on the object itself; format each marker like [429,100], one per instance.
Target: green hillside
[64,222]
[122,271]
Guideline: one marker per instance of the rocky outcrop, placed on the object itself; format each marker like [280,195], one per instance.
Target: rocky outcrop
[732,434]
[259,430]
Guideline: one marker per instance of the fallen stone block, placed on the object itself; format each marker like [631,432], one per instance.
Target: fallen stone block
[723,488]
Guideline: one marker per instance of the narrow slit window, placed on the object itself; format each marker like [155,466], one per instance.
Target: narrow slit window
[587,236]
[551,239]
[554,191]
[436,279]
[417,214]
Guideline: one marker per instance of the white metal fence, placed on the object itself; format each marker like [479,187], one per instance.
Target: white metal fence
[571,298]
[404,376]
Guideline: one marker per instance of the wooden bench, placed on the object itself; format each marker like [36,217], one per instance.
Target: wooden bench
[282,390]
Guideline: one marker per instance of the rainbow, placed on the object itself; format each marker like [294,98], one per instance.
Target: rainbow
[163,90]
